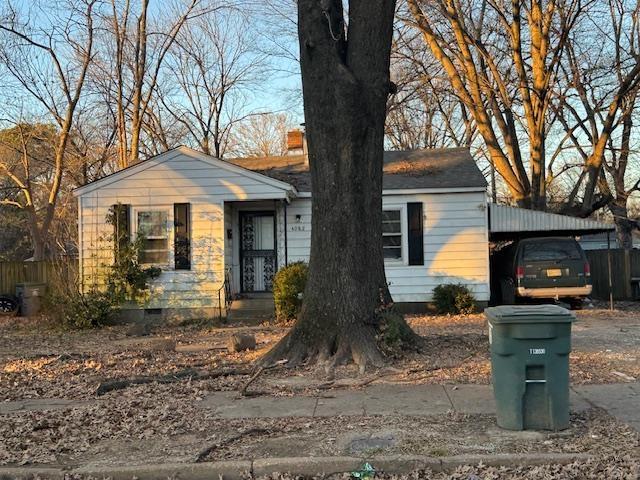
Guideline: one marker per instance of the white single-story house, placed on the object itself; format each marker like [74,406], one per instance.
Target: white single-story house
[218,228]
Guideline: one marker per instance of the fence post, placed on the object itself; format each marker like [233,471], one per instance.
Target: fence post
[609,270]
[628,294]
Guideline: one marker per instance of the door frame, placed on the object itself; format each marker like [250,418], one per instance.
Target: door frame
[256,213]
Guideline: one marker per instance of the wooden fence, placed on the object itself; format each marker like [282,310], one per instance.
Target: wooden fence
[625,273]
[12,273]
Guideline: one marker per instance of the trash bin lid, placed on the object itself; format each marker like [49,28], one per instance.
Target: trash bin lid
[529,314]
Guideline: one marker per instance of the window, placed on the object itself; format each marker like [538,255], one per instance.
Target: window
[392,234]
[551,250]
[152,225]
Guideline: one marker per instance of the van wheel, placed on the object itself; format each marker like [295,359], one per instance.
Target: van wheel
[508,291]
[575,304]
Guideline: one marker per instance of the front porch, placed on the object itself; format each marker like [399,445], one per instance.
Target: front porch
[254,250]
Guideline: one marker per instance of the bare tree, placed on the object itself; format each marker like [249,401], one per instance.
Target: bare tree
[47,52]
[261,135]
[133,55]
[502,59]
[425,112]
[211,68]
[596,109]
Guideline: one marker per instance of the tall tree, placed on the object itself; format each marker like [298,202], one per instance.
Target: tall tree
[47,53]
[596,108]
[345,80]
[425,112]
[502,60]
[209,72]
[133,58]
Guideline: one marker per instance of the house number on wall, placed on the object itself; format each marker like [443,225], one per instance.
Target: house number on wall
[297,228]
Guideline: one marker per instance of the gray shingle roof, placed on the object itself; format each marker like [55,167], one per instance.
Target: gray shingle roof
[409,169]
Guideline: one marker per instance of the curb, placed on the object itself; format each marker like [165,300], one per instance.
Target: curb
[305,466]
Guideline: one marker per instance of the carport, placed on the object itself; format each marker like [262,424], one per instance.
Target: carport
[510,223]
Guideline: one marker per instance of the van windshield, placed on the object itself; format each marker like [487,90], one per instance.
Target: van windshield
[551,250]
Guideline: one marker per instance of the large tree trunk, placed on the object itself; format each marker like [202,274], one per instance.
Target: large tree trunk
[345,87]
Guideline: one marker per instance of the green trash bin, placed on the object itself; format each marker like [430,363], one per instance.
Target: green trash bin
[530,346]
[29,297]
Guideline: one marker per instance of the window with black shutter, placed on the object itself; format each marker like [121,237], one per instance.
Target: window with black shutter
[182,236]
[415,233]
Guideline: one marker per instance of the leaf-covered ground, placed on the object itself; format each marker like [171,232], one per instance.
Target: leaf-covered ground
[39,361]
[153,422]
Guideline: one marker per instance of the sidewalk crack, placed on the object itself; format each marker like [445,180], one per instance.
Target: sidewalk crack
[449,398]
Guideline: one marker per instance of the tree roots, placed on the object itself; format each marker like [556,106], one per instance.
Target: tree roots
[365,344]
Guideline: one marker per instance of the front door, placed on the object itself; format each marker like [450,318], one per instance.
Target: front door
[257,251]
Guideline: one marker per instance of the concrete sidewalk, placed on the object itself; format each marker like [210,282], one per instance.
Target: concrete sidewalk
[620,400]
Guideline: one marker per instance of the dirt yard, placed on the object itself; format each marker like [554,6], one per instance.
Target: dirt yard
[161,422]
[37,361]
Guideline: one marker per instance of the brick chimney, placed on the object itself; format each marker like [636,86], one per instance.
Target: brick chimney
[296,142]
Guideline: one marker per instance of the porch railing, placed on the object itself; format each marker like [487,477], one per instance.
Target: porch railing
[226,287]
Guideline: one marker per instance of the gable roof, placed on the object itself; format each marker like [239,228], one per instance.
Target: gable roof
[170,155]
[403,170]
[447,168]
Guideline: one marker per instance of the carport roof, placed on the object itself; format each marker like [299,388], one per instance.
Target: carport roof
[507,222]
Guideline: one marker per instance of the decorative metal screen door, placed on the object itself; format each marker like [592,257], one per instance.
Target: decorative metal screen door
[257,251]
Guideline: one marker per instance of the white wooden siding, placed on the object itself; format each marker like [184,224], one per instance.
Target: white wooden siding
[178,179]
[455,244]
[455,233]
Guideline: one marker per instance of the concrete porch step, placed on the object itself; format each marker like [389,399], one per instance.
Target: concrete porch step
[252,308]
[253,304]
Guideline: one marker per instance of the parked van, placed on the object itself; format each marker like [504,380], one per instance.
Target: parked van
[550,268]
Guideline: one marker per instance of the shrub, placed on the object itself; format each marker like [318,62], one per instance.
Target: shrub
[126,280]
[81,310]
[451,298]
[288,286]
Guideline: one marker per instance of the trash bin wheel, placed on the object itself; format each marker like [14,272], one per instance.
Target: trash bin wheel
[8,305]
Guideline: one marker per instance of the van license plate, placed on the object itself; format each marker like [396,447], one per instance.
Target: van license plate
[554,272]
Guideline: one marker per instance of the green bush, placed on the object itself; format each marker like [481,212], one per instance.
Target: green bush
[451,298]
[81,310]
[288,286]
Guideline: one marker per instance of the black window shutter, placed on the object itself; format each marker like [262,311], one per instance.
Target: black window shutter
[182,236]
[416,238]
[121,226]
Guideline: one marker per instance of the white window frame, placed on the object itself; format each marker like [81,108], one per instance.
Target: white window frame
[168,209]
[403,235]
